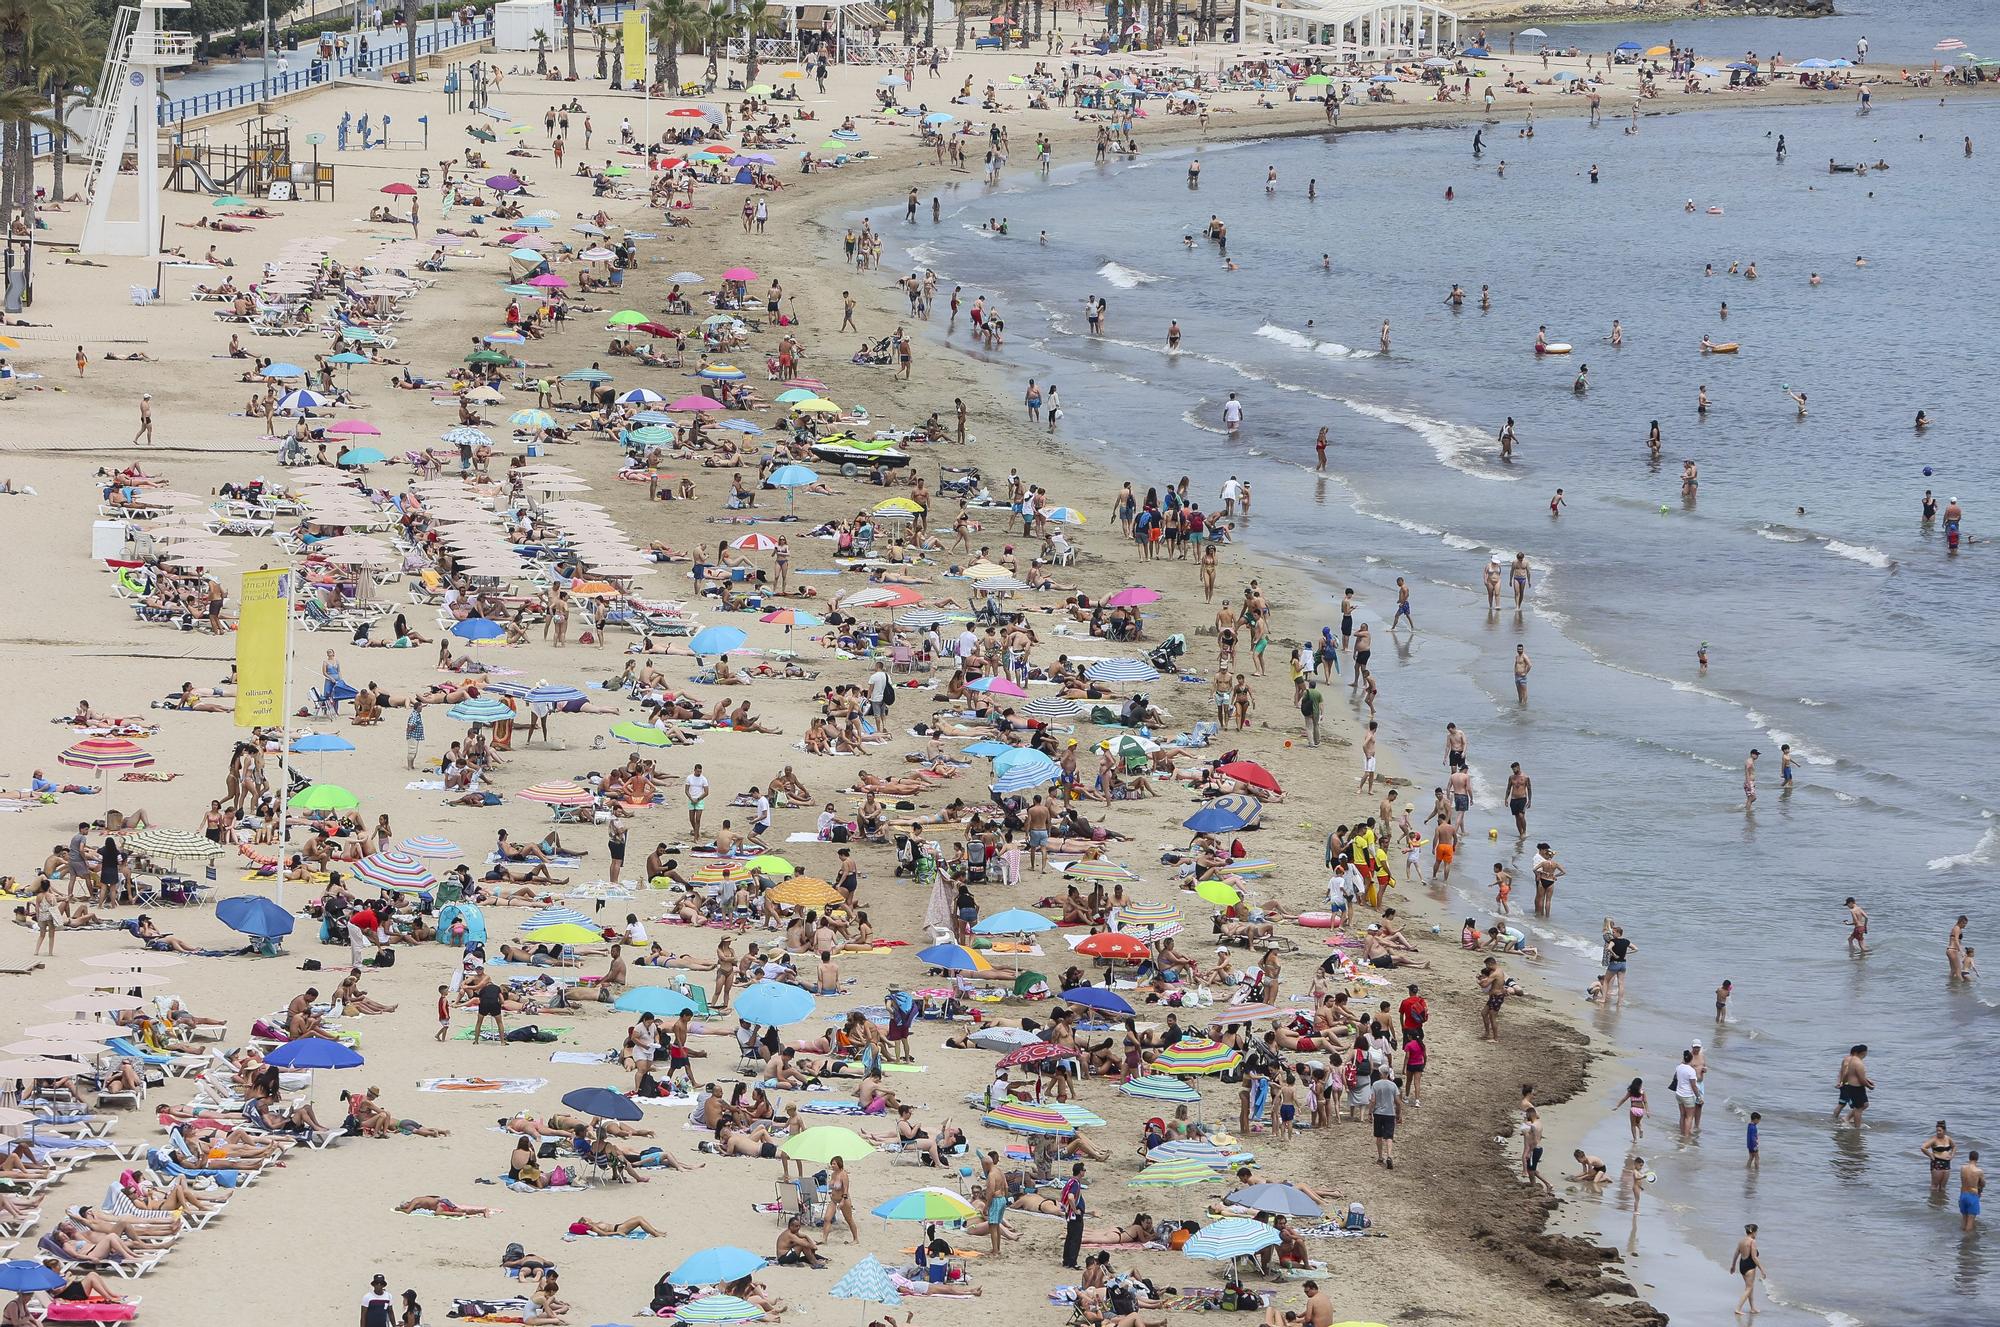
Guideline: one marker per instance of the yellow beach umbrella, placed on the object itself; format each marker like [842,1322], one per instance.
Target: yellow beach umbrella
[1655,50]
[898,504]
[819,405]
[805,892]
[565,933]
[1219,892]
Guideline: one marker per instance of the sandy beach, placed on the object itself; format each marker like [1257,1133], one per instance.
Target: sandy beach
[1458,1234]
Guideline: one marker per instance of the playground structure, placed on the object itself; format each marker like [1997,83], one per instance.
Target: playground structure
[198,163]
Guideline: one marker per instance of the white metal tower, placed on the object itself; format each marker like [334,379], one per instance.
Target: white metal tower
[128,121]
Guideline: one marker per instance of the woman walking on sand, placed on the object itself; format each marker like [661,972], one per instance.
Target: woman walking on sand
[1635,1098]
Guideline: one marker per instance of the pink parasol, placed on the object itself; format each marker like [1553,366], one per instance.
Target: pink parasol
[1131,597]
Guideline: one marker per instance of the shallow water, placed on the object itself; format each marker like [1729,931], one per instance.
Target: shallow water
[1845,631]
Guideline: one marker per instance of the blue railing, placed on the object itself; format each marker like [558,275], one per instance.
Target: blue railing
[316,72]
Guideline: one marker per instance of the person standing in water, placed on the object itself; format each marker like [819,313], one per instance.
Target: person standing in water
[1954,947]
[1857,926]
[1749,1264]
[1971,1184]
[1938,1150]
[1319,451]
[1853,1083]
[1750,779]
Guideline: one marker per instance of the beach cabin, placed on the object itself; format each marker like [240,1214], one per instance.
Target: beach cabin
[461,924]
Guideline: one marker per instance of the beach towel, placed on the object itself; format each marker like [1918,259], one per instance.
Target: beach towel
[512,1086]
[579,1057]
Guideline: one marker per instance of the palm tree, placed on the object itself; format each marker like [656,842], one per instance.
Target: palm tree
[540,37]
[26,29]
[757,19]
[718,24]
[930,22]
[671,19]
[569,33]
[958,7]
[66,69]
[410,39]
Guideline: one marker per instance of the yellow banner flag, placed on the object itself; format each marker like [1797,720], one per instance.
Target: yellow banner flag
[260,647]
[635,46]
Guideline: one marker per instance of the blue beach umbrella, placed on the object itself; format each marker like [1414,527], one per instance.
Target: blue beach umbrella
[24,1277]
[1231,1237]
[956,958]
[1214,820]
[322,742]
[1015,757]
[314,1053]
[478,628]
[586,375]
[988,748]
[773,1004]
[561,694]
[655,1000]
[1741,64]
[294,402]
[1476,52]
[1385,78]
[1014,921]
[361,456]
[1628,46]
[253,914]
[531,223]
[1097,997]
[347,358]
[1026,775]
[867,1281]
[742,426]
[1565,75]
[792,476]
[282,371]
[603,1103]
[716,640]
[939,117]
[724,1262]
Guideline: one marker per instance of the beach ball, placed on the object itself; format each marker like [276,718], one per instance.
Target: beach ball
[1663,509]
[1288,742]
[1927,472]
[1492,833]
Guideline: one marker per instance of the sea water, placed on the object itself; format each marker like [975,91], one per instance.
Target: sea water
[1844,629]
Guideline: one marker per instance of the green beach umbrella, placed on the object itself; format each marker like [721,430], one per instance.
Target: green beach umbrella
[822,1143]
[325,797]
[639,734]
[487,357]
[229,200]
[627,318]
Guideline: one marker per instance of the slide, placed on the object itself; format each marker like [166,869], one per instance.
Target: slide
[202,179]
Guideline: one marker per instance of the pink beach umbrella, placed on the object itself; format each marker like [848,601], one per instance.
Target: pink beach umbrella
[353,428]
[739,274]
[997,686]
[1131,597]
[548,281]
[697,403]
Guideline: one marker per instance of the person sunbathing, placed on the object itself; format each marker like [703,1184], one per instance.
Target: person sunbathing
[354,1001]
[80,1244]
[731,1141]
[1138,1231]
[743,721]
[431,1202]
[189,700]
[897,787]
[536,874]
[147,1228]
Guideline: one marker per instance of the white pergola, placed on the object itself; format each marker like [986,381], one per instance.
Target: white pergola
[1369,29]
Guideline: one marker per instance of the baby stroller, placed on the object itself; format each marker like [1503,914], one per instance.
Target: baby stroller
[1166,655]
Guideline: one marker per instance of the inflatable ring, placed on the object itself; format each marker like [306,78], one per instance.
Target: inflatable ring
[1319,921]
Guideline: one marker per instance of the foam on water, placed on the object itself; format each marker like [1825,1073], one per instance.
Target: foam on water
[1296,340]
[1862,553]
[1982,853]
[1460,446]
[1126,278]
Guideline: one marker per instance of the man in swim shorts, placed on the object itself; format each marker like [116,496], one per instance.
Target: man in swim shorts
[1853,1083]
[1971,1184]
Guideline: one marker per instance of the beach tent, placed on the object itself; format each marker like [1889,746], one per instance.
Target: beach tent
[468,913]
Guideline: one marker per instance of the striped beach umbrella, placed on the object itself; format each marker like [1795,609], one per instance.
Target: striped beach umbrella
[718,1308]
[879,596]
[394,871]
[722,873]
[1035,1052]
[1148,921]
[168,843]
[916,619]
[554,916]
[954,958]
[557,794]
[431,845]
[1099,870]
[1172,1175]
[1052,707]
[1224,1015]
[1026,774]
[106,753]
[1077,1115]
[1122,670]
[1023,1118]
[754,543]
[793,617]
[1197,1055]
[1252,866]
[867,1281]
[1159,1087]
[931,1204]
[1198,1149]
[480,709]
[1232,1237]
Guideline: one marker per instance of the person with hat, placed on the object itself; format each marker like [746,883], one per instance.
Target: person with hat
[378,1309]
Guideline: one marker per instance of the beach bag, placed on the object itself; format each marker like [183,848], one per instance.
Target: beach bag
[386,959]
[558,1177]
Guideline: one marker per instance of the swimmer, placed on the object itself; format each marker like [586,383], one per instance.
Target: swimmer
[1617,333]
[1701,400]
[1812,279]
[1557,503]
[1923,421]
[1800,399]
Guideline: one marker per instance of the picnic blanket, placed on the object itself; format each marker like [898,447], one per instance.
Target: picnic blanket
[512,1086]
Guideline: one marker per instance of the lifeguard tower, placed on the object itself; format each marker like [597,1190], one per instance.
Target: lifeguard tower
[128,122]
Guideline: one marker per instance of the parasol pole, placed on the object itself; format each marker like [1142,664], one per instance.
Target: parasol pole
[285,744]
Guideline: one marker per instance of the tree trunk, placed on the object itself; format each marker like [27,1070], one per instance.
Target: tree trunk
[1173,24]
[930,22]
[749,57]
[59,149]
[958,7]
[410,39]
[569,33]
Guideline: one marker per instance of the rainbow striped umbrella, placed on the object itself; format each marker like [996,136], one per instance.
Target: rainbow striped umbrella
[1023,1118]
[557,794]
[1159,1087]
[1224,1015]
[554,916]
[431,845]
[1099,871]
[931,1204]
[1251,866]
[1172,1174]
[106,753]
[1077,1115]
[394,871]
[1148,921]
[1198,1149]
[722,873]
[1197,1055]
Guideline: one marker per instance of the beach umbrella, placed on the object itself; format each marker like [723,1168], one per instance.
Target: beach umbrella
[478,629]
[1099,998]
[1219,892]
[106,753]
[1232,1237]
[650,435]
[97,1002]
[754,543]
[954,958]
[988,747]
[804,892]
[1014,921]
[532,223]
[1195,1056]
[313,1053]
[431,845]
[869,1282]
[640,396]
[1113,944]
[504,339]
[716,640]
[793,617]
[718,1308]
[686,278]
[722,873]
[998,686]
[553,915]
[603,1103]
[361,456]
[547,281]
[557,794]
[129,960]
[399,190]
[931,1204]
[395,871]
[164,844]
[1132,596]
[1277,1200]
[1250,772]
[324,797]
[76,1031]
[1148,921]
[818,406]
[1099,870]
[1122,670]
[1474,52]
[1384,78]
[772,1004]
[740,274]
[282,371]
[638,734]
[822,1143]
[722,373]
[321,742]
[480,709]
[696,403]
[586,375]
[24,1276]
[724,1262]
[488,357]
[298,401]
[564,933]
[532,419]
[1531,32]
[253,914]
[744,426]
[111,981]
[1213,819]
[879,596]
[794,395]
[1020,1117]
[1172,1175]
[1198,1149]
[657,1001]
